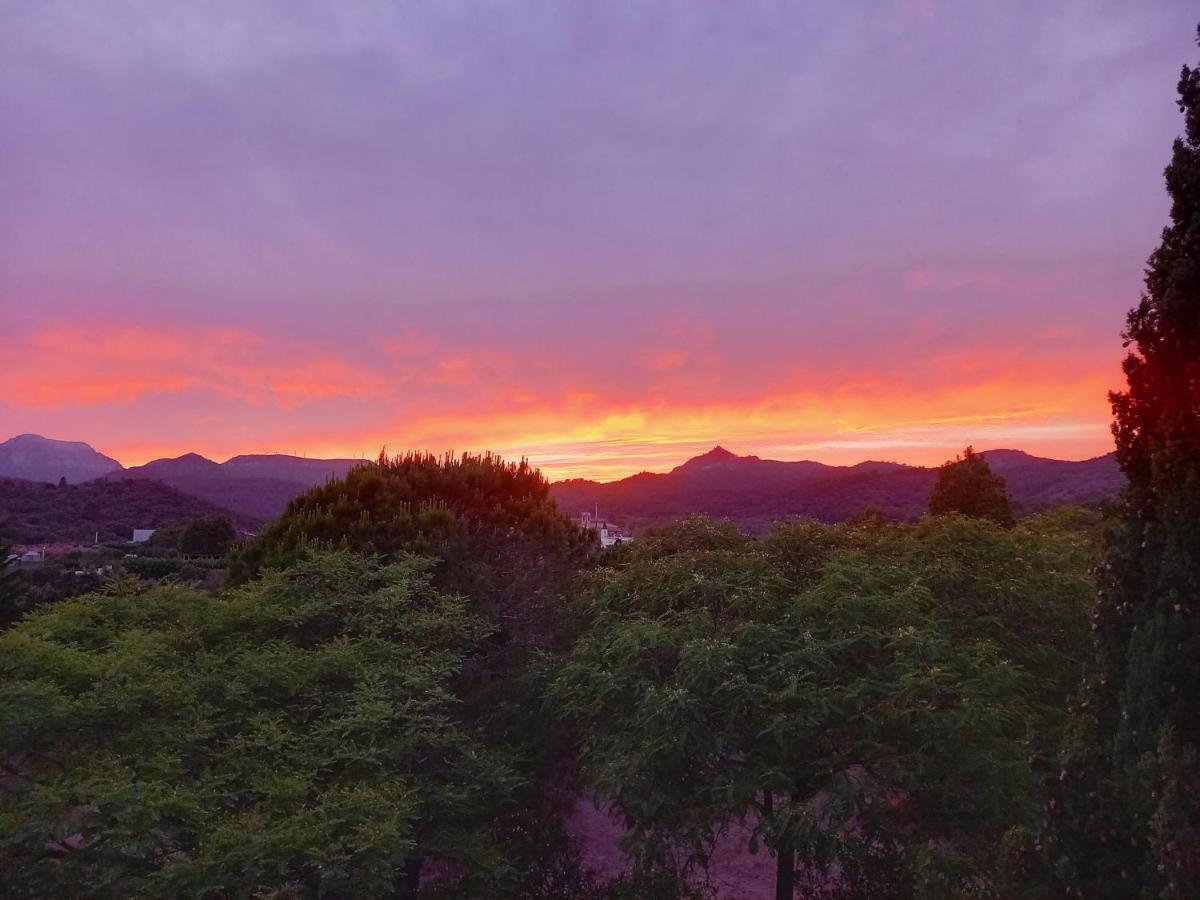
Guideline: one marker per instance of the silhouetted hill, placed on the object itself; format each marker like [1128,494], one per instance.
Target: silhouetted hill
[36,458]
[1036,482]
[35,512]
[311,472]
[259,486]
[751,491]
[755,492]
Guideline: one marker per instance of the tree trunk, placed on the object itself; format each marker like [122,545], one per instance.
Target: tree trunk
[785,856]
[785,870]
[412,874]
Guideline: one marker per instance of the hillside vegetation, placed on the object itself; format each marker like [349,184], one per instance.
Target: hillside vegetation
[36,512]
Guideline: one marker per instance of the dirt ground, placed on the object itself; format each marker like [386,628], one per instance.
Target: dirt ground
[734,872]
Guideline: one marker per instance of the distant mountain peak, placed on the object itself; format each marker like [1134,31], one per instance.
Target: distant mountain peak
[1004,453]
[716,456]
[30,439]
[37,458]
[189,461]
[755,492]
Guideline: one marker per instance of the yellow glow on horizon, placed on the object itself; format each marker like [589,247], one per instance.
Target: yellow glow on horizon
[918,411]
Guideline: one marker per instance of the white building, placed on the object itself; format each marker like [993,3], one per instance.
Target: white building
[141,535]
[607,533]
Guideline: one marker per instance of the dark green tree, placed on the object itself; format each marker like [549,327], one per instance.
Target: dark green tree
[498,541]
[966,485]
[493,527]
[1143,705]
[298,737]
[208,537]
[13,587]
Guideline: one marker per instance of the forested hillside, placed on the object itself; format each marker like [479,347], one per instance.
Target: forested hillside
[257,486]
[36,512]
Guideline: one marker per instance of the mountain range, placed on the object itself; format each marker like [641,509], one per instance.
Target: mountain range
[755,492]
[258,485]
[751,491]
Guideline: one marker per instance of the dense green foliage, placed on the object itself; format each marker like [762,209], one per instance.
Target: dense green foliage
[873,696]
[871,699]
[497,535]
[207,537]
[498,541]
[13,587]
[294,737]
[1128,821]
[45,513]
[966,485]
[90,568]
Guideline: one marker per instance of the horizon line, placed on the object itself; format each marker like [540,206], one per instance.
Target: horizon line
[531,458]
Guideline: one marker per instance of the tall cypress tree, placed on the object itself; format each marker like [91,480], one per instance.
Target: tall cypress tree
[1148,616]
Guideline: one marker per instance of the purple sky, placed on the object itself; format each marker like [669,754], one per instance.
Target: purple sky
[604,235]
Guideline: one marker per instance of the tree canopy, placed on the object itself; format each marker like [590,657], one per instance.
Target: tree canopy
[13,587]
[496,539]
[106,510]
[491,526]
[297,736]
[868,698]
[967,485]
[208,537]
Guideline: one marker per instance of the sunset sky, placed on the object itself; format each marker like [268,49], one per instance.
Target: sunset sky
[602,235]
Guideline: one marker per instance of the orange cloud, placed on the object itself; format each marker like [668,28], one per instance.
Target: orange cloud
[572,421]
[666,360]
[1061,413]
[72,365]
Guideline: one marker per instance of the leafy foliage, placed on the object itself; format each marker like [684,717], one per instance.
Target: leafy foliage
[498,541]
[869,698]
[208,537]
[967,485]
[43,513]
[294,737]
[491,525]
[13,587]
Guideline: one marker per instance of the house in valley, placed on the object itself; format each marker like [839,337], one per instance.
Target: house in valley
[607,533]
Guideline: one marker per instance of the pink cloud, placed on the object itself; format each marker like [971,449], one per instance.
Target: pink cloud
[937,278]
[74,365]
